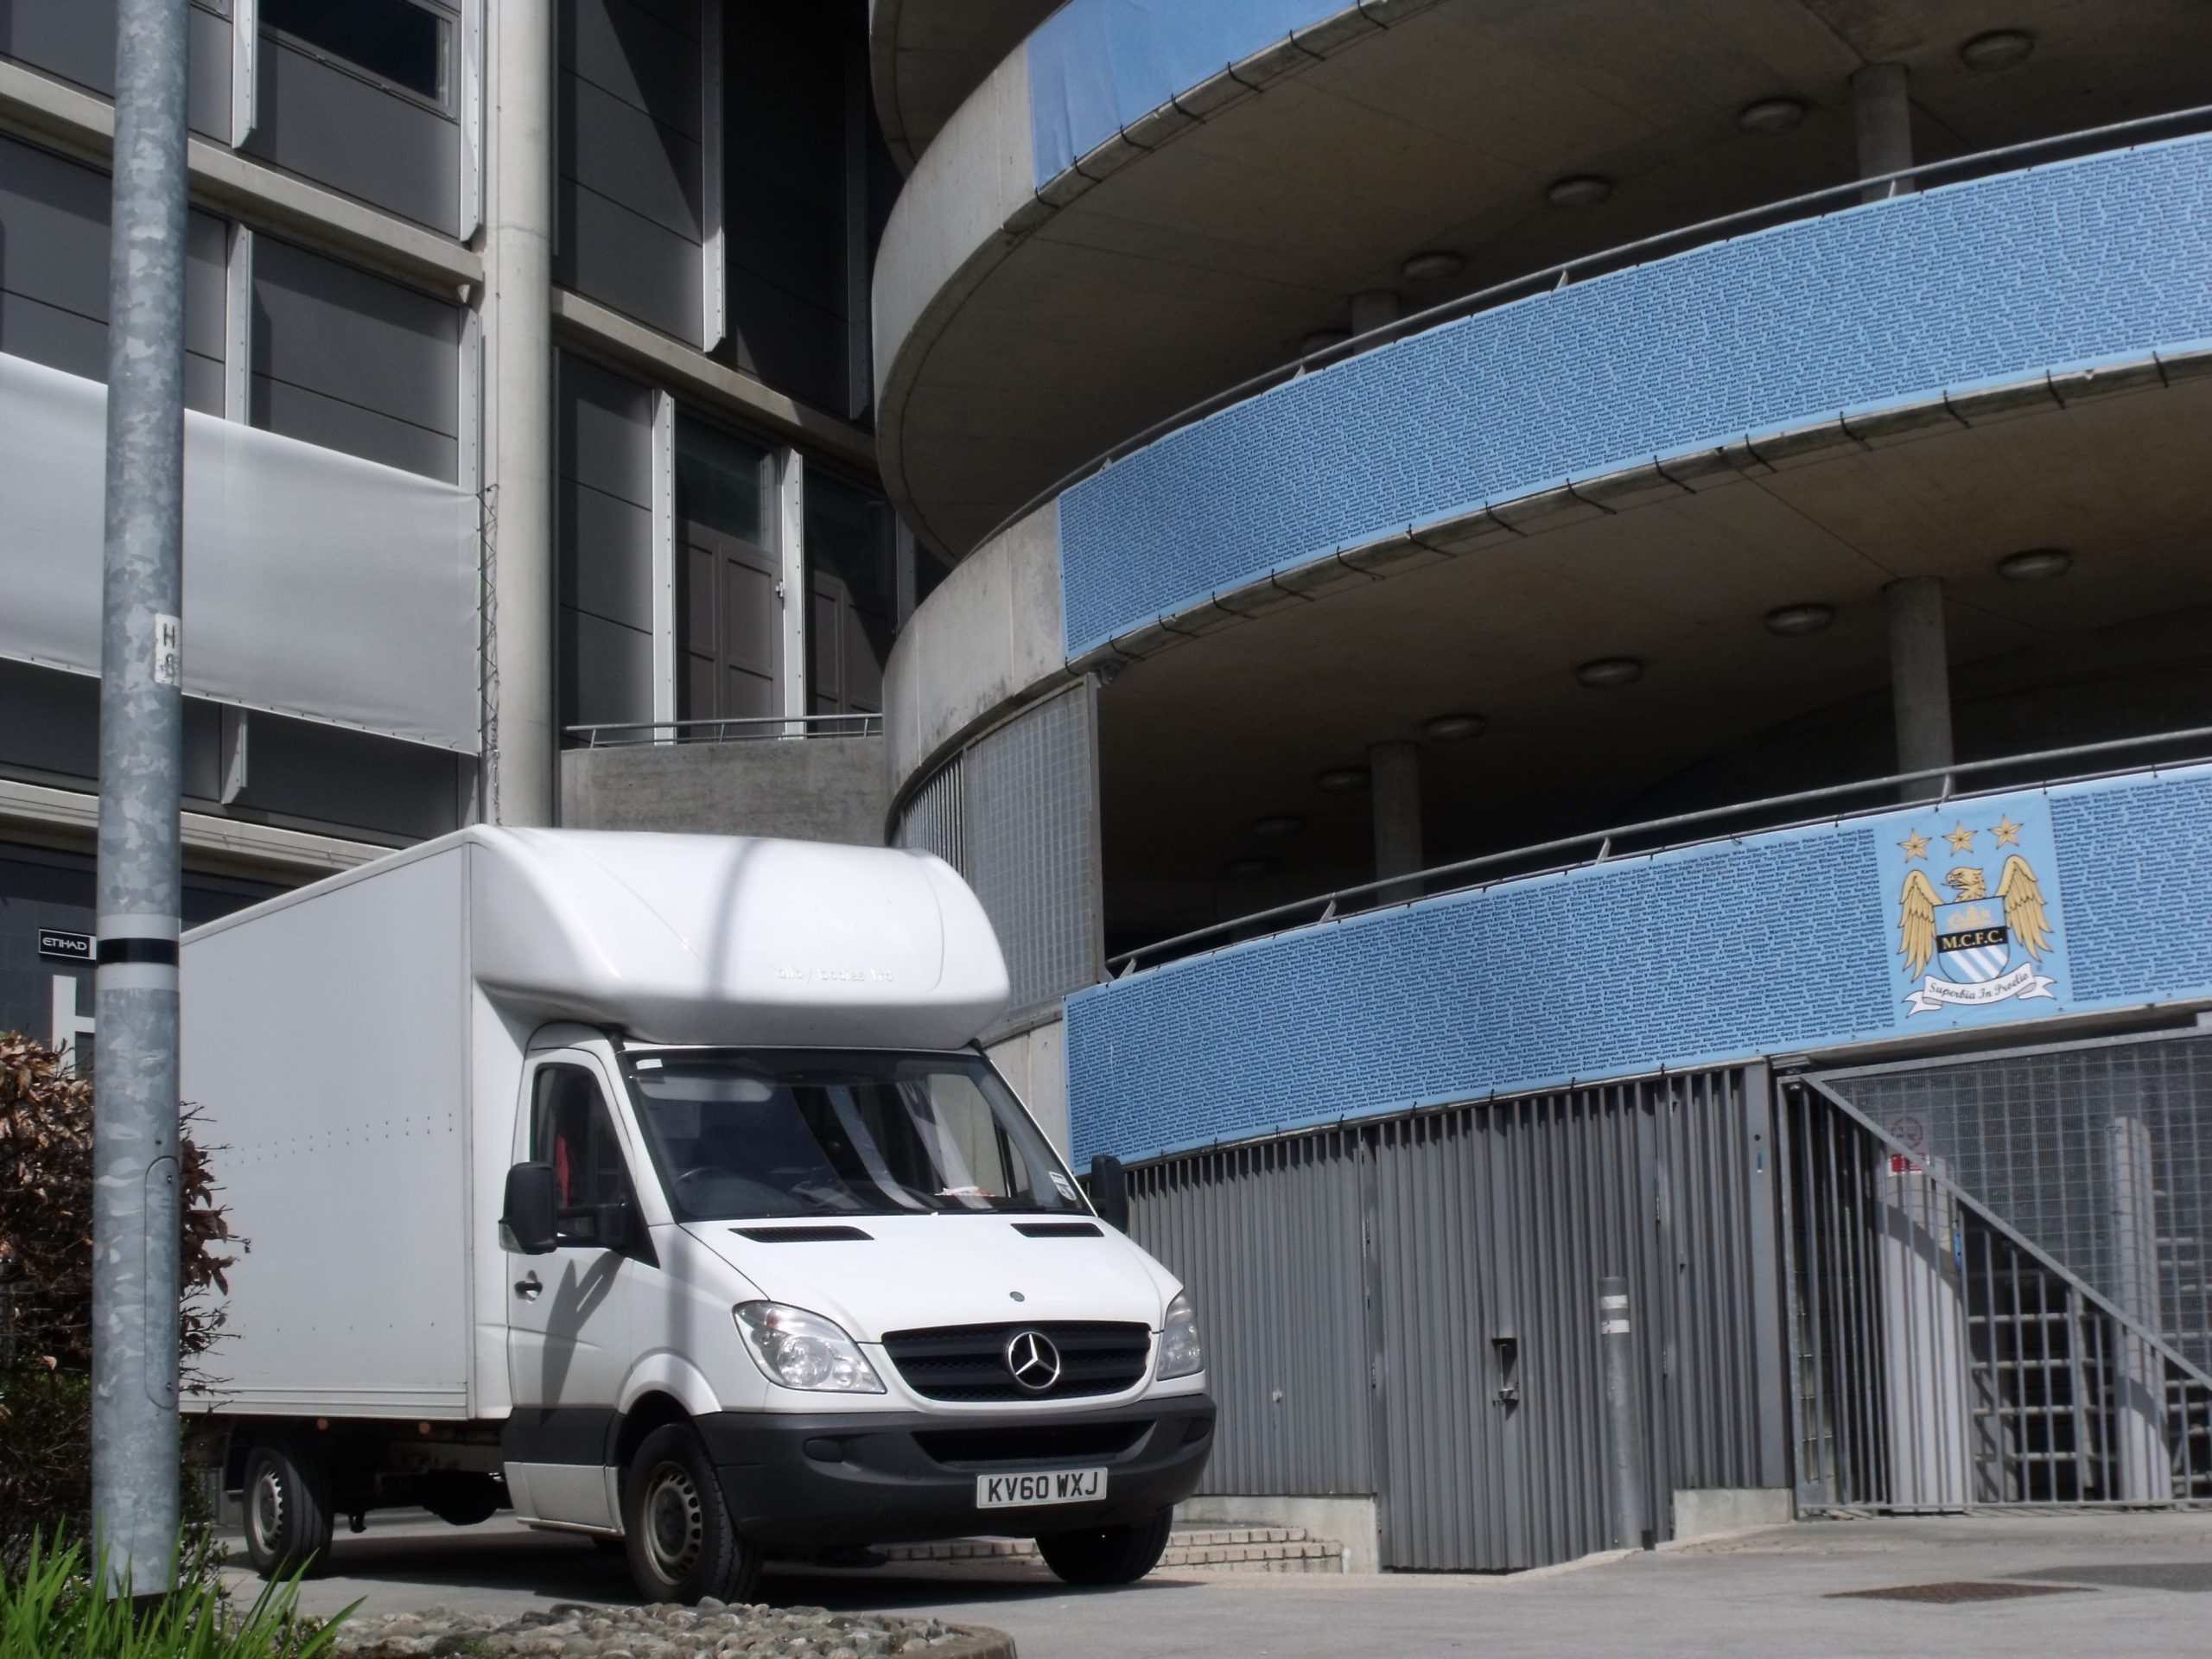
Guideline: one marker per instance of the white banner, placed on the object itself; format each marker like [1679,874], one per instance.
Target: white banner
[316,583]
[1935,995]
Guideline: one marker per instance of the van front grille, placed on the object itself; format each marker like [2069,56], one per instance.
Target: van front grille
[970,1362]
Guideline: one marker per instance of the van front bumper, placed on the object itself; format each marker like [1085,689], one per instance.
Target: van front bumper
[797,1484]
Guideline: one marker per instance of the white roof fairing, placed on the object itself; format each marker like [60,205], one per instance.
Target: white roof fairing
[723,939]
[685,940]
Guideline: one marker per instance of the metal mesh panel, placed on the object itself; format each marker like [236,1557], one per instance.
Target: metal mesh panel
[1029,816]
[1944,1363]
[931,822]
[2099,1154]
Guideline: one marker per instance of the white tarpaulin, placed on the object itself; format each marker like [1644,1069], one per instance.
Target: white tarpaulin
[316,583]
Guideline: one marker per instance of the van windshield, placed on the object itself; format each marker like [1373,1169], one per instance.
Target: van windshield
[764,1133]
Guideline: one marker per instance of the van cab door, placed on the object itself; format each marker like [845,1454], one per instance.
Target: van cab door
[570,1313]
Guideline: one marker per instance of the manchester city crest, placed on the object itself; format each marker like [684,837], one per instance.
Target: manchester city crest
[1974,925]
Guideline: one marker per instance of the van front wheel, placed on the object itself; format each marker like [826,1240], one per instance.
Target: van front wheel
[681,1542]
[1108,1554]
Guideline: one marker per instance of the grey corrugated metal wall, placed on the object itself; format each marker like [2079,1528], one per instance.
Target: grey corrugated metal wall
[1409,1308]
[1269,1238]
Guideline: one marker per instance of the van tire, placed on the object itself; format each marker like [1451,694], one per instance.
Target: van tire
[288,1506]
[1108,1554]
[681,1541]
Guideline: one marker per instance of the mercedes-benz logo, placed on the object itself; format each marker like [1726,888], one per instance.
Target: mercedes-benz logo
[1033,1360]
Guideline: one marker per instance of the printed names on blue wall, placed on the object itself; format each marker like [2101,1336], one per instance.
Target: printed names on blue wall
[1983,910]
[2099,259]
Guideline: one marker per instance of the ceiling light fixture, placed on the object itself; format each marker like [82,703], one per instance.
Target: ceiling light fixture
[1584,190]
[1436,266]
[1793,619]
[1772,115]
[1610,670]
[1278,826]
[1342,781]
[1449,728]
[2036,564]
[2000,48]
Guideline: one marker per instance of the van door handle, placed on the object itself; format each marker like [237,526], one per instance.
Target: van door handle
[528,1286]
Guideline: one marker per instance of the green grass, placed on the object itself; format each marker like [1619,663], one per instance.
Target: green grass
[52,1610]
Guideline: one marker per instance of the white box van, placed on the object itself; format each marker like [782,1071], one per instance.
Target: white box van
[652,1186]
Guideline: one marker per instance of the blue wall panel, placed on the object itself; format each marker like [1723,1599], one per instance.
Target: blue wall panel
[2136,864]
[2103,257]
[1094,65]
[1800,938]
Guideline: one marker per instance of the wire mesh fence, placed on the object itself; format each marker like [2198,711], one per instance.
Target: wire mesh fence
[1946,1353]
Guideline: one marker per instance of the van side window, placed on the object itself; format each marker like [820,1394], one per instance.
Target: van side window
[570,1129]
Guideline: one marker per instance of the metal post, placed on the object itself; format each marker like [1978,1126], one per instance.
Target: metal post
[2145,1470]
[1624,1417]
[135,1223]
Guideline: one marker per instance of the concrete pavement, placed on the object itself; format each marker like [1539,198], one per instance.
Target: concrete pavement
[2136,1584]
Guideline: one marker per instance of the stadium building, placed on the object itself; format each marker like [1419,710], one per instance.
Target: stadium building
[1577,648]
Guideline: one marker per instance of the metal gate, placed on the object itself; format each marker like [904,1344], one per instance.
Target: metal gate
[1998,1279]
[1408,1308]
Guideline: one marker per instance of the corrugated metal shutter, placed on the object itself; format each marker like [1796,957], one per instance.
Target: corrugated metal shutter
[1409,1308]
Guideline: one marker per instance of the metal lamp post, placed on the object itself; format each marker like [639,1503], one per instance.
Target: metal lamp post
[135,1219]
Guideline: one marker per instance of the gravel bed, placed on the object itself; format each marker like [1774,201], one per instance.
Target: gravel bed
[664,1631]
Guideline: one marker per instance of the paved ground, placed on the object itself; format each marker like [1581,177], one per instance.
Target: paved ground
[2145,1587]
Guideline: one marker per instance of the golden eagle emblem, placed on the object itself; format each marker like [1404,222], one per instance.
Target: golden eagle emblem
[2016,891]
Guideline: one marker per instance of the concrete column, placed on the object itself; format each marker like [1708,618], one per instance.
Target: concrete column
[791,588]
[1882,106]
[1394,770]
[518,413]
[1920,679]
[2144,1470]
[1375,308]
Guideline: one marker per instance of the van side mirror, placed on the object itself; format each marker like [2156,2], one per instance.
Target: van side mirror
[526,1220]
[1109,1191]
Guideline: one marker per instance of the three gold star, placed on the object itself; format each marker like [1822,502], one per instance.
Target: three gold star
[1914,845]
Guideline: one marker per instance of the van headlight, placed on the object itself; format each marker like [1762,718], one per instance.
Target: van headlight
[799,1350]
[1181,1354]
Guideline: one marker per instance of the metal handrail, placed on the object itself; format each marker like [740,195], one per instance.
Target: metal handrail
[1329,903]
[850,725]
[1559,275]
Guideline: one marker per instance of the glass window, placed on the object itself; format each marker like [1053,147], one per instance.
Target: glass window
[724,483]
[570,1129]
[394,41]
[743,1135]
[850,548]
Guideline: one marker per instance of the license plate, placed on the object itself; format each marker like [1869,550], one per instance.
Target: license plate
[1048,1486]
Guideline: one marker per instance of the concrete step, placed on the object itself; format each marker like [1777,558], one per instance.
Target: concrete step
[1215,1549]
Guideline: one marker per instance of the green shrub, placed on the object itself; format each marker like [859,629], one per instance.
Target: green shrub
[50,1610]
[46,1288]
